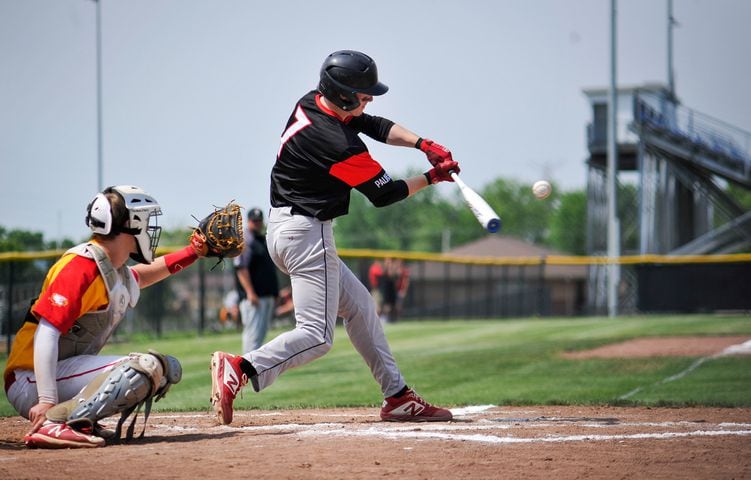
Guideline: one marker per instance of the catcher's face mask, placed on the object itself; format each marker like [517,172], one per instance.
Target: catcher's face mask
[143,211]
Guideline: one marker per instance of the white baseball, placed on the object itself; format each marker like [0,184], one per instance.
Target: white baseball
[542,189]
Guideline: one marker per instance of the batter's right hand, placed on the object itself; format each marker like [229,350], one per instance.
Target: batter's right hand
[442,171]
[435,152]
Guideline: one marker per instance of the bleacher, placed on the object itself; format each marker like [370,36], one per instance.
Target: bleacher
[702,152]
[716,146]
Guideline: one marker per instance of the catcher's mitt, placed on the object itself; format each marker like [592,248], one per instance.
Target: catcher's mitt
[222,232]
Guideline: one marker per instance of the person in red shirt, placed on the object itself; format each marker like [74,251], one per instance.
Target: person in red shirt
[394,286]
[375,275]
[55,376]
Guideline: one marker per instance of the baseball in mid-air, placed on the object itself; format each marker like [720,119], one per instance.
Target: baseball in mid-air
[542,189]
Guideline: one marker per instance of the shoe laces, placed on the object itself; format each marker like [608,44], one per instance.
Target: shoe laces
[417,398]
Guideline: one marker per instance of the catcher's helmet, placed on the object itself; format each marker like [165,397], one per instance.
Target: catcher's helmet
[344,74]
[141,221]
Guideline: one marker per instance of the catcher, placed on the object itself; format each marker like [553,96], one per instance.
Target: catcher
[54,376]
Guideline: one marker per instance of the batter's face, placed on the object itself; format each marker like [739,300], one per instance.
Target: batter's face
[364,100]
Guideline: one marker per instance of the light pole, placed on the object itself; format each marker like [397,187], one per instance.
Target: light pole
[671,76]
[612,171]
[100,186]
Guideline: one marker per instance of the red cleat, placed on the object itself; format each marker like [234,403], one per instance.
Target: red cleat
[410,407]
[60,435]
[226,381]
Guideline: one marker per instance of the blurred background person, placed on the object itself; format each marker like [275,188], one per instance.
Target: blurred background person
[375,273]
[402,286]
[285,307]
[394,283]
[229,314]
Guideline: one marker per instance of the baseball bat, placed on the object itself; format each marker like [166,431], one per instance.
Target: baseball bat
[484,213]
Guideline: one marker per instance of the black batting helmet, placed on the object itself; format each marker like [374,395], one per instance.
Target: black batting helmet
[346,73]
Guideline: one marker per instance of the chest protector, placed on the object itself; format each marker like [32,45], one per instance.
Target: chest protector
[90,332]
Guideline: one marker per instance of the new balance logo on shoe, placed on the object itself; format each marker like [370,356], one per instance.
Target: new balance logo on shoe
[226,381]
[410,407]
[230,379]
[57,430]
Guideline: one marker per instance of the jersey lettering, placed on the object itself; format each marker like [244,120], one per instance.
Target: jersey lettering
[301,121]
[385,178]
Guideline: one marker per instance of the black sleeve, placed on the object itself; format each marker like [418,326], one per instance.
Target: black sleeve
[383,190]
[377,128]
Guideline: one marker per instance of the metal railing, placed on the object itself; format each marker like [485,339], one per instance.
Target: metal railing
[728,145]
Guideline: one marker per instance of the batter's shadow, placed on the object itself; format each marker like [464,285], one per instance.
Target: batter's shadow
[179,438]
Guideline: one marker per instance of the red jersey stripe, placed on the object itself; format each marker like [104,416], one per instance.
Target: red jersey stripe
[356,169]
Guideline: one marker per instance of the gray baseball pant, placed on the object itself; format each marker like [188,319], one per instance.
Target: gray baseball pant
[323,287]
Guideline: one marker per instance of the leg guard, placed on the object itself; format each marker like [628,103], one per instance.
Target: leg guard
[130,383]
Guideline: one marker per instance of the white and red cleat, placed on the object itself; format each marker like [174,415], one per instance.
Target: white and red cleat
[227,379]
[410,407]
[60,435]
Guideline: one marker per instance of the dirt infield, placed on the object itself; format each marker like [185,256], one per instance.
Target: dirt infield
[483,442]
[669,347]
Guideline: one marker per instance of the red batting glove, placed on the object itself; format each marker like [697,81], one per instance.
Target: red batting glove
[435,152]
[442,172]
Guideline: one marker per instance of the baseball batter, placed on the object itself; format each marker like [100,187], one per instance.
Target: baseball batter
[321,158]
[54,375]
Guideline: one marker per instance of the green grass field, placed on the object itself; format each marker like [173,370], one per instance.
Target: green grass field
[500,362]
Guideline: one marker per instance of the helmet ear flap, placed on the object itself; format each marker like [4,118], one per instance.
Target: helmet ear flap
[99,215]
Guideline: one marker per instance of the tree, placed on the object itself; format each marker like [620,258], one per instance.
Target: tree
[175,238]
[522,214]
[20,240]
[741,195]
[413,224]
[568,224]
[420,223]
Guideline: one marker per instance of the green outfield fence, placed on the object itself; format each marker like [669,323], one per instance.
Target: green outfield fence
[440,286]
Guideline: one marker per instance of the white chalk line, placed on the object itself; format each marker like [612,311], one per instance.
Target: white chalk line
[461,411]
[479,424]
[460,431]
[739,349]
[509,440]
[486,425]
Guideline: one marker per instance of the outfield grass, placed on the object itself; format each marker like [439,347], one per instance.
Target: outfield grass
[500,362]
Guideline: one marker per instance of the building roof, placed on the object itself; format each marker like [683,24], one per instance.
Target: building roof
[507,246]
[501,246]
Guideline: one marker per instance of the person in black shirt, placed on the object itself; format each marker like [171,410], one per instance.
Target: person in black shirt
[321,158]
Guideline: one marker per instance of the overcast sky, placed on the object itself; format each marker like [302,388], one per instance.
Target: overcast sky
[196,93]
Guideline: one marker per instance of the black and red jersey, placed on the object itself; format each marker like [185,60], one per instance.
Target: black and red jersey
[321,158]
